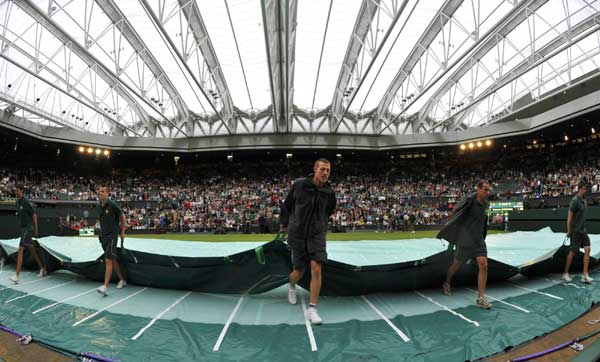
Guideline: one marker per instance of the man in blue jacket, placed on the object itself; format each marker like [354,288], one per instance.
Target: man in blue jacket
[310,203]
[467,229]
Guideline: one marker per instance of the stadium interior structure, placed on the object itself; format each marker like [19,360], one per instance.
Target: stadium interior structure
[200,114]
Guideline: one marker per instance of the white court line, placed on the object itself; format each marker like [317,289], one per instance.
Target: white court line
[226,327]
[110,306]
[159,317]
[535,291]
[448,309]
[400,333]
[564,283]
[30,282]
[62,301]
[311,336]
[501,301]
[38,292]
[233,313]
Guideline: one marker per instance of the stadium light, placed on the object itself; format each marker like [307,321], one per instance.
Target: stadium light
[471,145]
[81,149]
[106,153]
[463,147]
[488,143]
[479,144]
[90,150]
[98,151]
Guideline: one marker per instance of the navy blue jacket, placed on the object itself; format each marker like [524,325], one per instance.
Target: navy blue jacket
[309,208]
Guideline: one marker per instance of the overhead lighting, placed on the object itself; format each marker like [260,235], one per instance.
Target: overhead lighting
[566,138]
[338,155]
[81,149]
[90,150]
[106,153]
[593,131]
[471,145]
[230,158]
[488,143]
[463,147]
[535,142]
[289,155]
[98,151]
[479,144]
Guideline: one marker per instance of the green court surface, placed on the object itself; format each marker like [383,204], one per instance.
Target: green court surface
[148,324]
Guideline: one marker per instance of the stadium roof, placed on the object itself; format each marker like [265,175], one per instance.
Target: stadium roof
[181,69]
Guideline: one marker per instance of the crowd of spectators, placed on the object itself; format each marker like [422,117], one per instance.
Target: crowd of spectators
[386,195]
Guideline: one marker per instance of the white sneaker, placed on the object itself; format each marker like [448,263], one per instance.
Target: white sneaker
[292,295]
[313,316]
[42,273]
[566,277]
[102,290]
[122,284]
[586,279]
[14,279]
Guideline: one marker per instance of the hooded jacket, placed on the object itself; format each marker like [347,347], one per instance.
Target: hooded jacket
[459,231]
[309,208]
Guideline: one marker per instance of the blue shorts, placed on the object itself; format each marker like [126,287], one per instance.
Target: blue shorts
[26,237]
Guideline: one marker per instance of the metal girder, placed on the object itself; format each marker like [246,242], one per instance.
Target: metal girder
[556,46]
[204,42]
[279,20]
[117,17]
[395,16]
[38,111]
[549,114]
[435,26]
[367,12]
[524,10]
[290,60]
[82,98]
[529,62]
[53,28]
[107,75]
[501,27]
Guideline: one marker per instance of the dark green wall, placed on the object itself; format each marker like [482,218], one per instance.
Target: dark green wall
[535,219]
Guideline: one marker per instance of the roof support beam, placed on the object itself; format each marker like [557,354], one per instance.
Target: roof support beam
[501,31]
[483,43]
[204,42]
[279,20]
[433,29]
[367,12]
[556,46]
[83,101]
[109,77]
[117,17]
